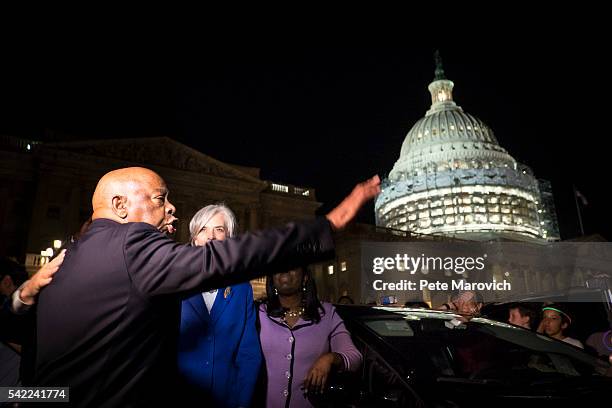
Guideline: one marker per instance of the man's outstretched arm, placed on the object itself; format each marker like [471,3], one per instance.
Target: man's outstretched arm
[159,266]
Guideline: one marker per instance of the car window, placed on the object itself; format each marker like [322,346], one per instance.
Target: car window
[391,328]
[482,348]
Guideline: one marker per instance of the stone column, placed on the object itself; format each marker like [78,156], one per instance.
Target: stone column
[253,214]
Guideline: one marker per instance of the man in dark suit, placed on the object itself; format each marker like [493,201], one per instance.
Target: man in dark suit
[17,328]
[108,324]
[11,276]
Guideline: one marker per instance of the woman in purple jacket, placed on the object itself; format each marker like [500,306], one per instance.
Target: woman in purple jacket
[302,340]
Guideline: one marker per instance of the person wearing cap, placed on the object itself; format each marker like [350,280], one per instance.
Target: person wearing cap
[555,321]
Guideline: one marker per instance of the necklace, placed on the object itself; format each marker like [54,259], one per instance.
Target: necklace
[293,313]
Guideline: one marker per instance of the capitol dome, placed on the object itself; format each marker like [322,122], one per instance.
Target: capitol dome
[453,178]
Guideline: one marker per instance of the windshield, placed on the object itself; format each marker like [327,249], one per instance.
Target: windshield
[481,348]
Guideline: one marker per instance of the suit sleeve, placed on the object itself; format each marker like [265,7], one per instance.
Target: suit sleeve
[248,357]
[15,328]
[159,266]
[17,306]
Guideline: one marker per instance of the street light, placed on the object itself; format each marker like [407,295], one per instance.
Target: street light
[57,244]
[45,256]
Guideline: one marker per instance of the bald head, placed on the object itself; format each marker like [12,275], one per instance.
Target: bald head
[121,182]
[133,194]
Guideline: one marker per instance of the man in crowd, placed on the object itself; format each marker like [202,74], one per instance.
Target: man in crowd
[465,302]
[11,276]
[555,320]
[523,315]
[108,324]
[17,333]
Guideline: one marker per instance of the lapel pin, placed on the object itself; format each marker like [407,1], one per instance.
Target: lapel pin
[227,292]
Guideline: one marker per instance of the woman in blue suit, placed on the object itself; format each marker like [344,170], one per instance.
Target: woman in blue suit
[219,353]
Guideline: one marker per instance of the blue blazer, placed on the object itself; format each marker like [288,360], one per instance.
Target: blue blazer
[219,352]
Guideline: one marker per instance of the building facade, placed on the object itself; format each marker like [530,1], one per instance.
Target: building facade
[47,189]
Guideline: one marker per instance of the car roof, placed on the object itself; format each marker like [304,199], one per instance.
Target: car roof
[360,312]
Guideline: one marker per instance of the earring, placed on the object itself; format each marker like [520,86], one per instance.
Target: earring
[276,291]
[303,287]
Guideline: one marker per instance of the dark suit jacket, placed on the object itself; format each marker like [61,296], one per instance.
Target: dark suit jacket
[9,358]
[108,324]
[20,329]
[219,352]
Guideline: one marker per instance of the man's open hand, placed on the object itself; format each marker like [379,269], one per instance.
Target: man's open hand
[40,279]
[344,213]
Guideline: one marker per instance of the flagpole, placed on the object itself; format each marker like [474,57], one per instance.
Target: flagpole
[578,210]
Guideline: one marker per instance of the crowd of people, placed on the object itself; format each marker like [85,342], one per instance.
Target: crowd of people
[128,317]
[547,318]
[133,317]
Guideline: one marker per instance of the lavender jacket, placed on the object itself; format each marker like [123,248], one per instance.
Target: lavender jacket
[290,353]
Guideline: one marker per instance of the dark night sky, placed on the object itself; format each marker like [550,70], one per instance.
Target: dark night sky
[329,117]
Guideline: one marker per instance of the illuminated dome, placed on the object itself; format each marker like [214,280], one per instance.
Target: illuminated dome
[453,178]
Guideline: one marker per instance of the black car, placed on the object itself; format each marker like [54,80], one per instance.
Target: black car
[426,358]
